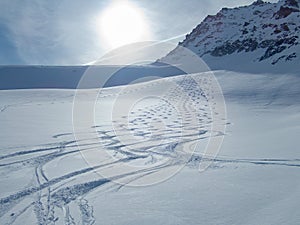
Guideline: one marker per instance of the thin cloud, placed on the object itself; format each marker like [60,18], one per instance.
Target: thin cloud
[64,32]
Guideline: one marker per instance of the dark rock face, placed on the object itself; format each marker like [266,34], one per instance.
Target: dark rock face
[284,12]
[258,2]
[277,46]
[247,45]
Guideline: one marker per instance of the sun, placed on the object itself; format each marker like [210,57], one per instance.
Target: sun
[122,23]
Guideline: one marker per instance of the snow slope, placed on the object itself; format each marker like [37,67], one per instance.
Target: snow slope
[24,77]
[255,178]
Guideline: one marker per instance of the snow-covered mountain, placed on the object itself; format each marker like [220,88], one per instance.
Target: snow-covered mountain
[261,37]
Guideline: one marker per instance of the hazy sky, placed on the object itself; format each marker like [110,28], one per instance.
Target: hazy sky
[64,32]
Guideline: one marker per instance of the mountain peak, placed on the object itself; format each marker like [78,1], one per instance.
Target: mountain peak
[261,35]
[258,2]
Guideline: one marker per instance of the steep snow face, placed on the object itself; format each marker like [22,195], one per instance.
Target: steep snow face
[263,35]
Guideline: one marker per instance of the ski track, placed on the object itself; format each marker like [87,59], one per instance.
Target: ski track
[49,195]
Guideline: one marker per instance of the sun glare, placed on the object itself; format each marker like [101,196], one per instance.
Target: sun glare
[122,23]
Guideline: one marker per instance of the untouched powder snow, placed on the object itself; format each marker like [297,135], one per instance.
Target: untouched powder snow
[254,179]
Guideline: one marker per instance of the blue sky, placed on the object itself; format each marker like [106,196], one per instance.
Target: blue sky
[66,32]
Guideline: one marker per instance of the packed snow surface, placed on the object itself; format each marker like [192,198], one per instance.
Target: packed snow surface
[255,179]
